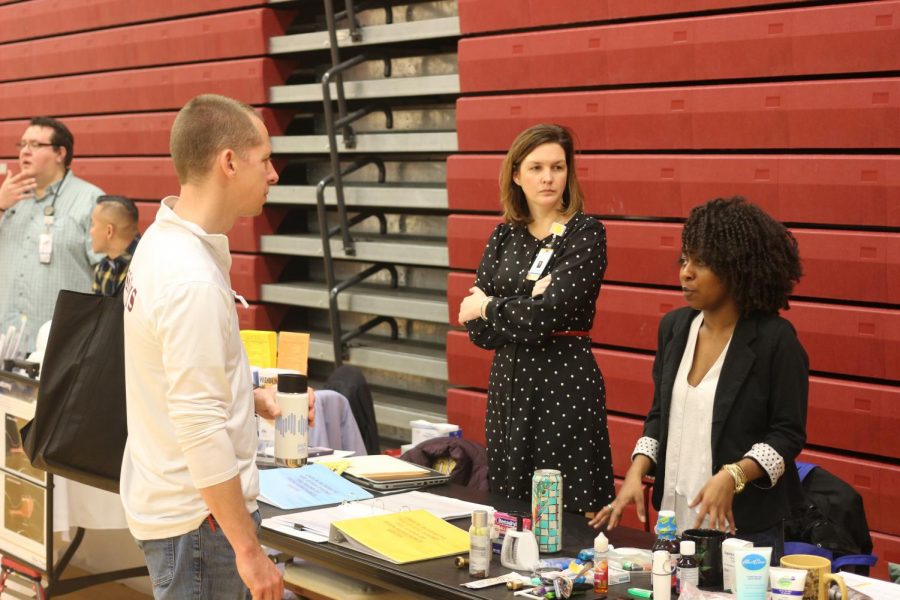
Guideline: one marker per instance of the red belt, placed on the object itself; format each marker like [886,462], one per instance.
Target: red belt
[571,333]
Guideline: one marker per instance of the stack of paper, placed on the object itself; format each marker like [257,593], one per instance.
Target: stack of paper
[312,485]
[380,467]
[318,522]
[440,506]
[314,525]
[261,347]
[293,351]
[873,588]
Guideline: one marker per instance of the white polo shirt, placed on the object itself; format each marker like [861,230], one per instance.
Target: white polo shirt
[189,393]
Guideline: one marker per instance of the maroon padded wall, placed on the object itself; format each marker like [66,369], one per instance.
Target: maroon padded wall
[674,103]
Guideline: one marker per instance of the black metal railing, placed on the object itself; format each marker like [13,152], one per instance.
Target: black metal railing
[340,339]
[343,122]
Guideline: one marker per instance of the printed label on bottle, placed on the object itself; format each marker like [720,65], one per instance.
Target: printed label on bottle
[479,555]
[685,575]
[601,574]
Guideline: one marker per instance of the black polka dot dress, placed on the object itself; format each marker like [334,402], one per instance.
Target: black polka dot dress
[546,398]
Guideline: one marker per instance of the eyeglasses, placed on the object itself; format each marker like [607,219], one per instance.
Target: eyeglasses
[32,144]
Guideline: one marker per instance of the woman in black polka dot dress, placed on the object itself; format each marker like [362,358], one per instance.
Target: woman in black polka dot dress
[546,396]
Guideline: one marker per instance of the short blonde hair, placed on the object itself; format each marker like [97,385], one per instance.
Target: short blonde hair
[512,198]
[205,126]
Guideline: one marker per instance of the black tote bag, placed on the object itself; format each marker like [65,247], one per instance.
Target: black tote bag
[79,428]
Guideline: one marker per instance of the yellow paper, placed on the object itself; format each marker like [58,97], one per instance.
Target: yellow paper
[293,351]
[260,347]
[402,537]
[338,466]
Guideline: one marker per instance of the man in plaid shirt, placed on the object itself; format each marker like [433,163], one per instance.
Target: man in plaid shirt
[114,232]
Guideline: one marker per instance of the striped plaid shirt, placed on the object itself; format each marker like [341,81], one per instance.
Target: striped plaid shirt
[109,273]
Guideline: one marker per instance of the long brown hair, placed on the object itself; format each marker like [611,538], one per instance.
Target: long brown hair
[512,198]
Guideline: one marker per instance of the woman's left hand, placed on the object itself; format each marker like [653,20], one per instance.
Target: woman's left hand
[715,500]
[470,307]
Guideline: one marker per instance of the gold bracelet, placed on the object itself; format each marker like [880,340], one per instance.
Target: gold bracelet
[737,473]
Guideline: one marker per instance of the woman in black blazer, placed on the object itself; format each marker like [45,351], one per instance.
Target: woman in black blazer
[731,380]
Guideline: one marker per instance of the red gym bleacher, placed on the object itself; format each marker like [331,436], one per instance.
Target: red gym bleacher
[480,16]
[859,342]
[851,190]
[642,252]
[157,88]
[856,38]
[845,113]
[674,103]
[44,18]
[136,177]
[124,136]
[212,37]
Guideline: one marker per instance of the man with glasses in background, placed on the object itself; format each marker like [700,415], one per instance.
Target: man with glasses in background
[45,221]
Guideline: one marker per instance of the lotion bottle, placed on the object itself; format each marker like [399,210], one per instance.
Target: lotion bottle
[479,545]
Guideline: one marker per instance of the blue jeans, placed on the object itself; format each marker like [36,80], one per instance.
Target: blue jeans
[198,565]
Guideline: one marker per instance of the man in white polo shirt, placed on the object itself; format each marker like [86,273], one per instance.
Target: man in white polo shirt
[189,481]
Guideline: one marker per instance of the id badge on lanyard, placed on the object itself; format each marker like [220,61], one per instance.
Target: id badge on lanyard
[546,253]
[45,241]
[540,263]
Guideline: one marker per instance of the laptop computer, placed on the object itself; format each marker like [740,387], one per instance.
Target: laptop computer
[431,477]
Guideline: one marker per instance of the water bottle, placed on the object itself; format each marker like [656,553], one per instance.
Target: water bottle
[292,427]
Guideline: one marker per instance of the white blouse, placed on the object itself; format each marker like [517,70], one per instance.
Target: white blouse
[689,445]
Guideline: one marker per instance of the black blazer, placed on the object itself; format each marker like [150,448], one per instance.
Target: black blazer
[761,397]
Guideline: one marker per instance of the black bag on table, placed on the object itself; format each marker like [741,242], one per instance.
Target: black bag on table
[79,427]
[830,522]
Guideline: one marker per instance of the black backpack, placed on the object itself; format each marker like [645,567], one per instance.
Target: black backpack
[830,522]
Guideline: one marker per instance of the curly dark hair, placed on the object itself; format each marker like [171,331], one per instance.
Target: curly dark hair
[754,255]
